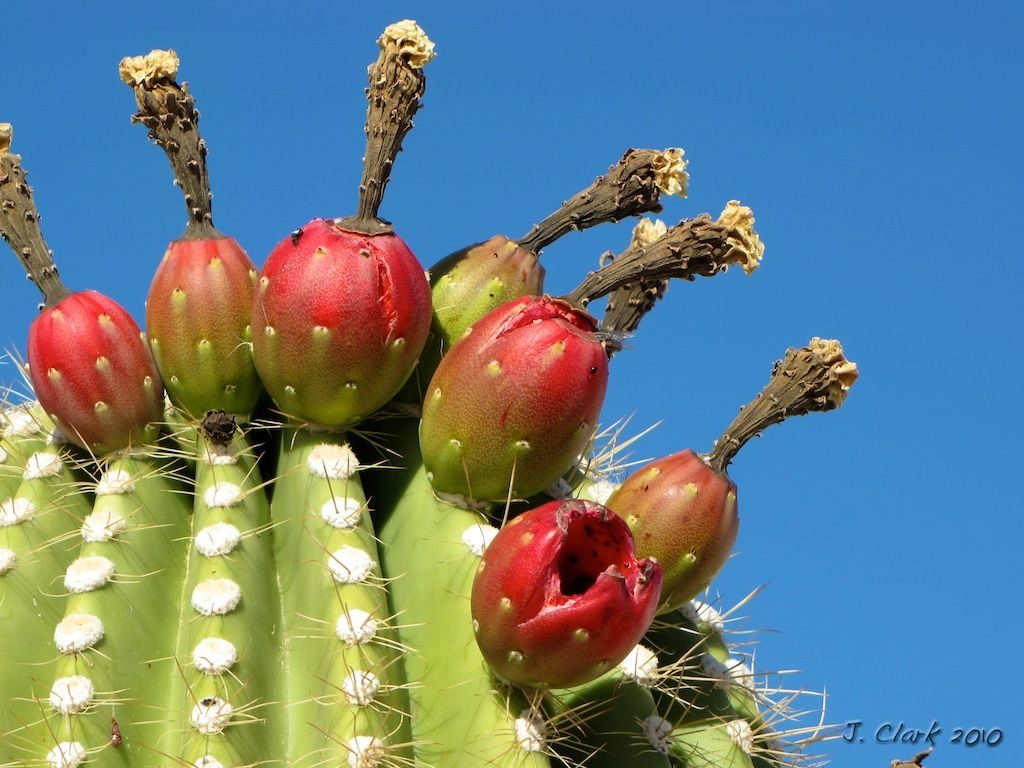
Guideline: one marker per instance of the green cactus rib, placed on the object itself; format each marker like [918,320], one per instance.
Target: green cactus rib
[23,431]
[707,743]
[610,722]
[122,577]
[139,522]
[343,671]
[35,523]
[226,644]
[461,715]
[707,730]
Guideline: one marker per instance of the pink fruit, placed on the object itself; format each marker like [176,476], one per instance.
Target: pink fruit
[682,508]
[197,316]
[515,401]
[342,308]
[683,513]
[560,597]
[338,321]
[93,373]
[197,311]
[88,361]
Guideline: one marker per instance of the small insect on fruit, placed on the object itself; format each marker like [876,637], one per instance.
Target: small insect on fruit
[115,734]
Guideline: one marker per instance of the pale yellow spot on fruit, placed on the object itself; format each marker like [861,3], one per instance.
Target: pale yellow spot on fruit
[104,319]
[522,446]
[102,363]
[527,537]
[580,635]
[494,368]
[53,374]
[505,604]
[269,331]
[289,390]
[692,489]
[101,407]
[516,657]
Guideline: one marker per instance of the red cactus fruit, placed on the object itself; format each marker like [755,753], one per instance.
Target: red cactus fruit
[471,282]
[88,361]
[93,373]
[682,508]
[560,597]
[684,514]
[197,311]
[342,307]
[515,401]
[339,319]
[197,318]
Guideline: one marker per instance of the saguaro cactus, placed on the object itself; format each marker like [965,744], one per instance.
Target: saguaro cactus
[328,578]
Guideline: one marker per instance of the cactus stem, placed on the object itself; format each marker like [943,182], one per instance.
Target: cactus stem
[19,224]
[628,305]
[699,246]
[396,86]
[812,378]
[168,110]
[632,186]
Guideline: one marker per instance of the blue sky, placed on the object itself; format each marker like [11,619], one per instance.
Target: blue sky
[878,146]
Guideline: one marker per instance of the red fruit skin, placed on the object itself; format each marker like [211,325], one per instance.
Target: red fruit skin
[514,403]
[197,320]
[683,513]
[339,319]
[559,596]
[465,286]
[93,373]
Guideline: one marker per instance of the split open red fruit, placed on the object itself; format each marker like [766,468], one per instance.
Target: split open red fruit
[560,597]
[93,373]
